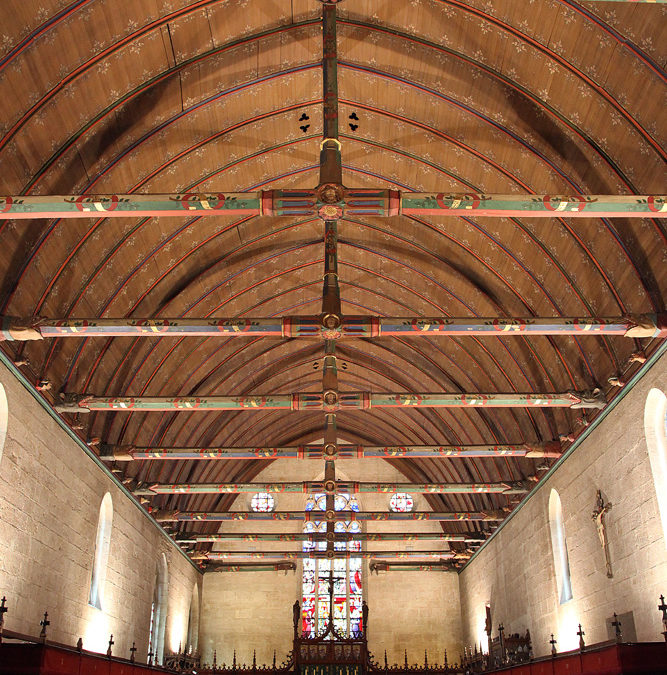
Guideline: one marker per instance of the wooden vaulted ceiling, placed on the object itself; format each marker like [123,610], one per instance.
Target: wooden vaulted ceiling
[510,96]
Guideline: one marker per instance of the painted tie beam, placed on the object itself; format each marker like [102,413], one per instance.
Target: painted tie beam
[301,555]
[128,453]
[266,567]
[338,536]
[404,567]
[329,401]
[171,516]
[332,327]
[331,202]
[333,487]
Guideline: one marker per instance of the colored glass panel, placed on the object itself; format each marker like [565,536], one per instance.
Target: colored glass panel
[347,587]
[262,502]
[401,502]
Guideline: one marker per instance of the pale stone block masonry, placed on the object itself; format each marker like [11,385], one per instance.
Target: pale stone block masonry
[408,610]
[50,496]
[515,574]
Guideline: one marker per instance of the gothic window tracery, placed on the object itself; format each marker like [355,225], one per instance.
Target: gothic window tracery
[347,583]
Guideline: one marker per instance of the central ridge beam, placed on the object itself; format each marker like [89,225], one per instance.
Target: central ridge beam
[330,199]
[129,453]
[329,401]
[338,536]
[170,516]
[299,555]
[330,325]
[351,487]
[331,171]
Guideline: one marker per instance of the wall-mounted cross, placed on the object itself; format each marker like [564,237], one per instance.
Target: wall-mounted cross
[598,515]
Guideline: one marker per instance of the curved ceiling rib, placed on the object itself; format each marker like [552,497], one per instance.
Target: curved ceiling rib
[434,95]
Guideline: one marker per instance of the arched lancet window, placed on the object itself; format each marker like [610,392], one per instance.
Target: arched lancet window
[4,419]
[347,596]
[101,557]
[559,548]
[193,621]
[655,429]
[158,611]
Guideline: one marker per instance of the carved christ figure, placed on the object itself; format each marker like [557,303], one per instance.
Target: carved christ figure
[598,516]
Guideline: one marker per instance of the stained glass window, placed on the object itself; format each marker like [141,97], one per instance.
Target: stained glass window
[263,502]
[347,591]
[401,502]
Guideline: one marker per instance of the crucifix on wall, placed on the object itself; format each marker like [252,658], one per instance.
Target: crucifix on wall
[598,516]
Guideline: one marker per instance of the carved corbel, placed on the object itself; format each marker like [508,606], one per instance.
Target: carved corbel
[14,328]
[589,399]
[72,403]
[165,516]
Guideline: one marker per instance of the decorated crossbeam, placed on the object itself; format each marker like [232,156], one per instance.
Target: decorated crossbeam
[301,555]
[376,567]
[129,453]
[332,327]
[331,201]
[266,567]
[322,536]
[329,401]
[172,516]
[334,487]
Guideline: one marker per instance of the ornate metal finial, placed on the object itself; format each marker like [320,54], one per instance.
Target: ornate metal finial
[581,634]
[111,643]
[215,658]
[553,642]
[44,623]
[425,659]
[3,610]
[274,659]
[79,645]
[617,628]
[386,665]
[254,660]
[445,658]
[406,659]
[662,607]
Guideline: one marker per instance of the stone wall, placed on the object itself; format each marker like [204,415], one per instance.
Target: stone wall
[515,571]
[408,610]
[50,496]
